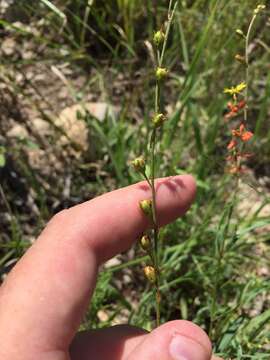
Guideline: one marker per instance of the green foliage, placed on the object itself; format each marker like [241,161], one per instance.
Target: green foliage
[212,259]
[2,156]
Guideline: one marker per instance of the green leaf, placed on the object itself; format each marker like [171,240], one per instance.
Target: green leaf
[255,326]
[54,9]
[2,160]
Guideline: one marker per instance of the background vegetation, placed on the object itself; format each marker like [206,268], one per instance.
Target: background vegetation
[76,95]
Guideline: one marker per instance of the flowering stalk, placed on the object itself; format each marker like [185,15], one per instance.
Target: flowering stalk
[238,106]
[152,272]
[257,10]
[240,135]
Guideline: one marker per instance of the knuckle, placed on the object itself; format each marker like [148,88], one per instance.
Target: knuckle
[59,218]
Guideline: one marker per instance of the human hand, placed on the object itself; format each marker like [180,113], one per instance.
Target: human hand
[44,298]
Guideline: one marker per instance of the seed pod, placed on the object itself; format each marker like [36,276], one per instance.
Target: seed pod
[161,73]
[240,33]
[146,207]
[159,120]
[150,274]
[159,38]
[139,164]
[145,243]
[258,9]
[240,59]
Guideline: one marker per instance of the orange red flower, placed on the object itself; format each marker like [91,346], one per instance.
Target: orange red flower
[232,144]
[246,136]
[234,109]
[242,133]
[238,135]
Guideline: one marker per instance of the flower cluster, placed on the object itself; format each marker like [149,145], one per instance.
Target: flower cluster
[240,134]
[239,137]
[234,108]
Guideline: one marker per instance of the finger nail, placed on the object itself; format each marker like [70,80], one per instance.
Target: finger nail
[184,348]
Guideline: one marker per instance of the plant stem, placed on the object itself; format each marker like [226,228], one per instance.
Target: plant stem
[170,19]
[158,106]
[222,249]
[247,66]
[156,230]
[247,39]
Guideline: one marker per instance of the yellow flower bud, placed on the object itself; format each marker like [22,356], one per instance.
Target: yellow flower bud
[139,164]
[159,120]
[150,274]
[161,73]
[145,243]
[146,207]
[159,38]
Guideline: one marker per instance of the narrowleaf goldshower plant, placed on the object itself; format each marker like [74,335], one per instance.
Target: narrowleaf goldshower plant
[150,242]
[241,135]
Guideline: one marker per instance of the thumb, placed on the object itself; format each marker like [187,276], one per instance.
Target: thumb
[175,340]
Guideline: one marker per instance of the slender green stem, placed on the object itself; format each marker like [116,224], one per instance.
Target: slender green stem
[157,97]
[222,249]
[247,66]
[220,253]
[2,194]
[153,160]
[170,6]
[170,19]
[156,230]
[247,40]
[158,106]
[147,179]
[152,181]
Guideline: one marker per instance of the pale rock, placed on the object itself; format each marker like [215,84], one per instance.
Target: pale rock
[70,120]
[8,46]
[41,126]
[74,129]
[112,262]
[102,315]
[43,160]
[28,55]
[121,318]
[100,110]
[17,131]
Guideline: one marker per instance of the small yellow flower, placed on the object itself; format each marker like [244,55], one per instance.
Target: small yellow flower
[235,90]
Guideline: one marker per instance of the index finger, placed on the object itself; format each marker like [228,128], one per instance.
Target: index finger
[48,290]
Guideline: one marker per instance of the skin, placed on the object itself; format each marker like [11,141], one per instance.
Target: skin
[44,298]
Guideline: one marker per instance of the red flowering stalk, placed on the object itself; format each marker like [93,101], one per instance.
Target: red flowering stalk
[236,146]
[240,135]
